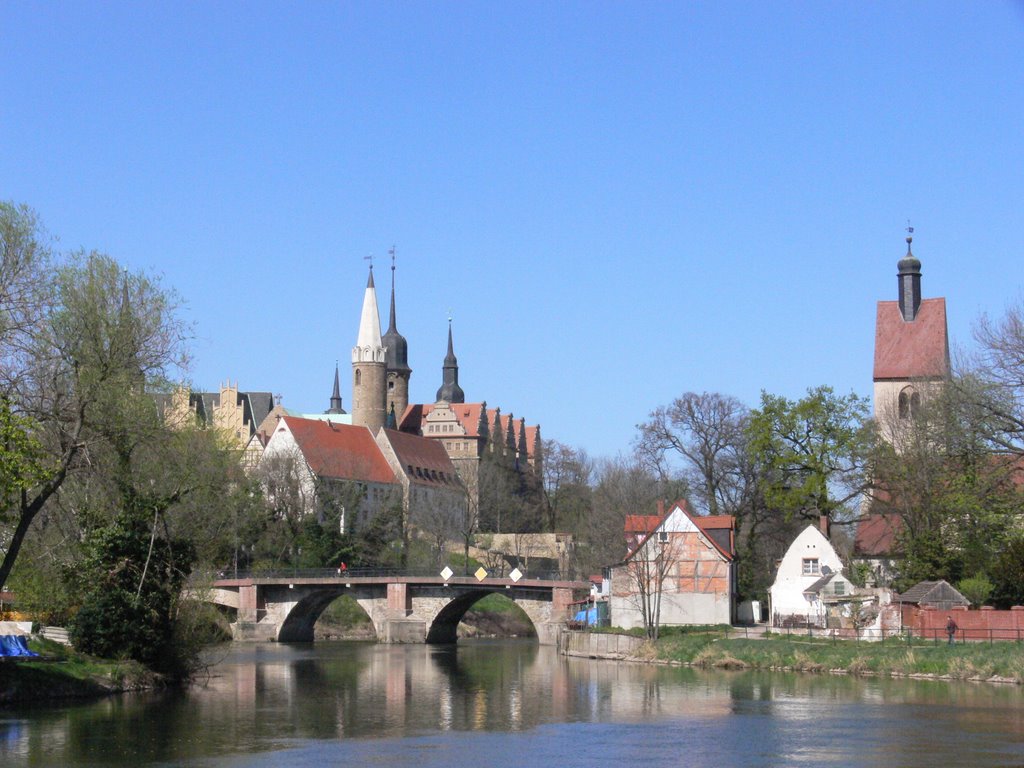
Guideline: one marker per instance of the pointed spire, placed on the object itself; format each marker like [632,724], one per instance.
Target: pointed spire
[450,390]
[392,422]
[510,434]
[336,394]
[369,346]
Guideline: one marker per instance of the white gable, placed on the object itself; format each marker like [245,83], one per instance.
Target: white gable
[804,563]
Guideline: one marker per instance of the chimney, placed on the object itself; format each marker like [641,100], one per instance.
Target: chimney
[823,526]
[661,508]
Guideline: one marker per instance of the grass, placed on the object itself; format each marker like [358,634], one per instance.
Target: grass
[61,672]
[974,661]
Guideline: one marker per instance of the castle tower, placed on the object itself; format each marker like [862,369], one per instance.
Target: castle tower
[450,390]
[369,366]
[396,359]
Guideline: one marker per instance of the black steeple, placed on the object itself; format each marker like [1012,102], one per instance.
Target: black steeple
[336,395]
[397,355]
[450,390]
[392,422]
[910,283]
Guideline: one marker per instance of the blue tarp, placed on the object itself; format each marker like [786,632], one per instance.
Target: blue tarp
[14,645]
[587,617]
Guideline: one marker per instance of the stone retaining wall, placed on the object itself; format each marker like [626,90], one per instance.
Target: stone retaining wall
[598,645]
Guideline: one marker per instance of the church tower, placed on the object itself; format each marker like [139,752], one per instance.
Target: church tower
[397,361]
[369,366]
[450,390]
[911,350]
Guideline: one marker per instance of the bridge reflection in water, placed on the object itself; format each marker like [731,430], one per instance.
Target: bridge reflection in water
[404,608]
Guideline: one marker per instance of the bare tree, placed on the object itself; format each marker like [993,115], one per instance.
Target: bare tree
[654,562]
[706,433]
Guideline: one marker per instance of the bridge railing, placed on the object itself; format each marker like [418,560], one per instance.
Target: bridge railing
[373,572]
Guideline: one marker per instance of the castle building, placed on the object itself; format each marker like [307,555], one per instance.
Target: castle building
[380,398]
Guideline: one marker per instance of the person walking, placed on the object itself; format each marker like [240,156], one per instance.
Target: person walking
[951,629]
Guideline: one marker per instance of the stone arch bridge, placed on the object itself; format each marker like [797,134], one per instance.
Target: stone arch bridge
[403,609]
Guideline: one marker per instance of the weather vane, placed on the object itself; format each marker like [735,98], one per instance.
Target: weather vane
[910,229]
[392,252]
[369,259]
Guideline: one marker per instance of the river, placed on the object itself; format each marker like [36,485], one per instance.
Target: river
[508,703]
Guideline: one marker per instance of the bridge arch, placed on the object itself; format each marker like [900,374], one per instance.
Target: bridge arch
[401,609]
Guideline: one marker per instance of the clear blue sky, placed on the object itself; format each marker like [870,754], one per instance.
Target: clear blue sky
[618,202]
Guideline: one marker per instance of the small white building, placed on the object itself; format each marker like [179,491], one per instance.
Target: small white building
[809,558]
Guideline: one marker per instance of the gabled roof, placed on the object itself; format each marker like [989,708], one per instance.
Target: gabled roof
[877,535]
[719,523]
[468,415]
[428,459]
[938,593]
[340,451]
[918,349]
[642,524]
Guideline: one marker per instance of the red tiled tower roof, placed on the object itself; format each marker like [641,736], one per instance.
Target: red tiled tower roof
[918,349]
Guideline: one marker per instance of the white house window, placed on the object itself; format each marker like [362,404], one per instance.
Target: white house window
[839,587]
[663,536]
[811,566]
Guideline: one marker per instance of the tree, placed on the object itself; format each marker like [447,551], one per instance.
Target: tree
[706,432]
[567,476]
[77,369]
[133,577]
[648,568]
[999,363]
[937,472]
[812,452]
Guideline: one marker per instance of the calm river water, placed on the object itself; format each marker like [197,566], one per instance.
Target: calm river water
[507,703]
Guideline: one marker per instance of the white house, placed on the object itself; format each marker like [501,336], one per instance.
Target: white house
[809,558]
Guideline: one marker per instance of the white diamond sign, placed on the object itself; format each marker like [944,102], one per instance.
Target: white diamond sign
[516,574]
[481,573]
[447,573]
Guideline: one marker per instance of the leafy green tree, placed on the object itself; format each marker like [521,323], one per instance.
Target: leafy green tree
[813,452]
[78,372]
[977,589]
[1008,575]
[133,575]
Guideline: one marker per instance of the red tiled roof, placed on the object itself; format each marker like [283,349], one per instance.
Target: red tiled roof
[425,455]
[340,451]
[468,415]
[716,522]
[642,524]
[915,350]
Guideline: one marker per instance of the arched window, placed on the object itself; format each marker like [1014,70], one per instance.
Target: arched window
[359,377]
[909,404]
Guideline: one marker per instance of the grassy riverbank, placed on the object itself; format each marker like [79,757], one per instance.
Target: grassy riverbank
[61,673]
[998,662]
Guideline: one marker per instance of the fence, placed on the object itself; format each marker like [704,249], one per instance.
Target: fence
[935,635]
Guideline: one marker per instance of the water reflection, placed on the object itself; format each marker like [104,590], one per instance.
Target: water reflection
[265,699]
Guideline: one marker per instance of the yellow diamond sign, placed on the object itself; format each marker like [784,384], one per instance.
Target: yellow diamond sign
[481,573]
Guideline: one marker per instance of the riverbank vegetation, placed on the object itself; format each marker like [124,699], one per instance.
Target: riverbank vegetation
[896,657]
[63,673]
